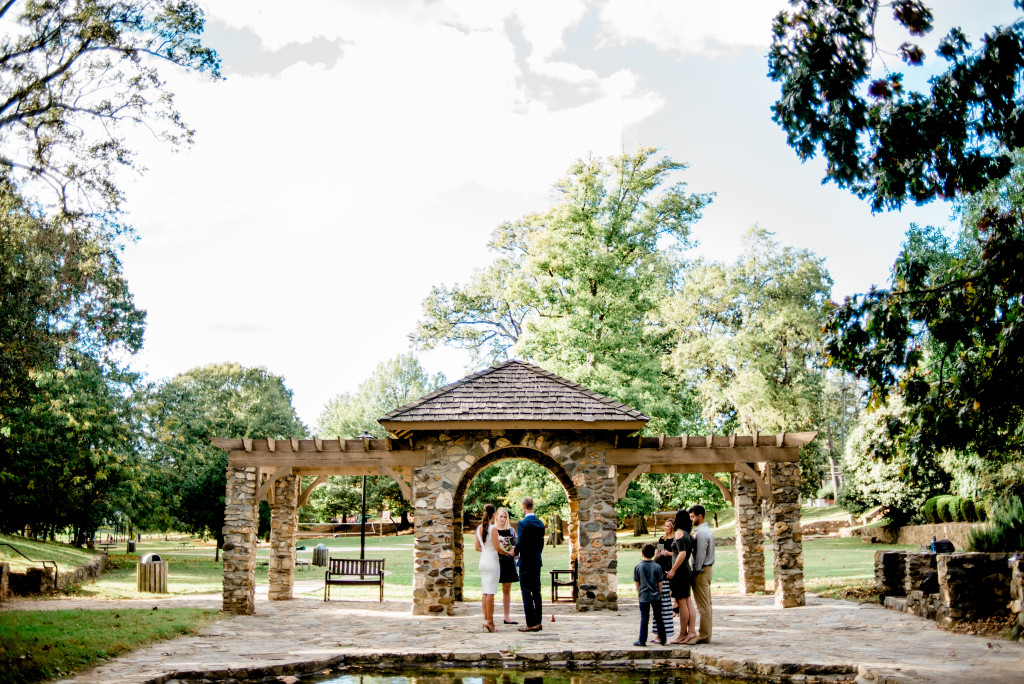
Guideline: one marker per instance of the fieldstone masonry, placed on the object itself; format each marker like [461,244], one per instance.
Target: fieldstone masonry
[787,541]
[240,525]
[749,533]
[284,521]
[453,460]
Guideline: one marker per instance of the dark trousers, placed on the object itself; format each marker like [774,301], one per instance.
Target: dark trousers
[645,614]
[529,584]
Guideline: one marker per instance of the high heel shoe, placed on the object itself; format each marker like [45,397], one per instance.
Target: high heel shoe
[489,626]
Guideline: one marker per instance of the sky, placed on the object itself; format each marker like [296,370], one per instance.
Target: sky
[357,153]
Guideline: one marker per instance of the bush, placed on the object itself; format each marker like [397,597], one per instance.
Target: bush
[929,511]
[981,508]
[942,509]
[968,511]
[956,513]
[1005,532]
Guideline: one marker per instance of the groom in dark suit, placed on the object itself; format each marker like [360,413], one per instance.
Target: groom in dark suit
[529,544]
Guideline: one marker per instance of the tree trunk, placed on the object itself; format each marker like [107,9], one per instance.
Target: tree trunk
[833,469]
[639,525]
[404,523]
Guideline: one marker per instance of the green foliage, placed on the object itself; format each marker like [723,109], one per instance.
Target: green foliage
[188,411]
[40,645]
[77,79]
[968,511]
[880,138]
[878,470]
[929,511]
[394,383]
[944,334]
[1004,531]
[943,509]
[575,288]
[748,341]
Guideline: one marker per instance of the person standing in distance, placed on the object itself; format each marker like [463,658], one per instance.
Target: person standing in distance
[529,545]
[703,560]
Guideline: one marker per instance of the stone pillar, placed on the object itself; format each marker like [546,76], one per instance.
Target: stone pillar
[574,531]
[1017,596]
[240,525]
[749,533]
[459,558]
[787,541]
[433,557]
[284,521]
[597,575]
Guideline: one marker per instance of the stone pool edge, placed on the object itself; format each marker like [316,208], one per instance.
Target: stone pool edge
[639,658]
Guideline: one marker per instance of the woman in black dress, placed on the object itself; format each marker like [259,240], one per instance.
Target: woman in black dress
[681,577]
[506,560]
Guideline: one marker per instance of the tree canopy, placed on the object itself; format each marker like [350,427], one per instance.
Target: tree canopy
[943,335]
[187,411]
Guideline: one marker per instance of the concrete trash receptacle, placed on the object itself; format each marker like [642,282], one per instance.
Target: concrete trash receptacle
[151,574]
[320,555]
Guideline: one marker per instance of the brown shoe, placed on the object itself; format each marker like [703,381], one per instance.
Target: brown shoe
[525,629]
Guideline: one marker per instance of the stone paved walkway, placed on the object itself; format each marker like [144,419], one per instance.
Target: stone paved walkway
[751,636]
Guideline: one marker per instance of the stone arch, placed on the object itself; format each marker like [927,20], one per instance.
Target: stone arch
[507,453]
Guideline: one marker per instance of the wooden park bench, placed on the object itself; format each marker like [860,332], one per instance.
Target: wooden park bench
[353,571]
[557,581]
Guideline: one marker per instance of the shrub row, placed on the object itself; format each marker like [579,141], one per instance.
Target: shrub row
[950,508]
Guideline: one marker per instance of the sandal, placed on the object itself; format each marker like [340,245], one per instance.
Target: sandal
[488,626]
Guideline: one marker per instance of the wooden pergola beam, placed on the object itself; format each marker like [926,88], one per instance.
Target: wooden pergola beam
[325,459]
[278,472]
[764,490]
[316,445]
[692,455]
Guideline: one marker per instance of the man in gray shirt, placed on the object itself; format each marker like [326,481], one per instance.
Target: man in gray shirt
[703,560]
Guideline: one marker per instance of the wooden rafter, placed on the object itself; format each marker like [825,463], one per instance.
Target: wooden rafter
[403,485]
[620,491]
[764,490]
[273,477]
[304,496]
[713,479]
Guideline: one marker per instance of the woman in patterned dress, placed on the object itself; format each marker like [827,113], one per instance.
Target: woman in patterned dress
[664,559]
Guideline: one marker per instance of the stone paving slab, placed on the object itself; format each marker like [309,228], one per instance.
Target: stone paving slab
[751,637]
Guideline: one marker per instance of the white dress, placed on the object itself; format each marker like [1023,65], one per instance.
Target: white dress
[490,570]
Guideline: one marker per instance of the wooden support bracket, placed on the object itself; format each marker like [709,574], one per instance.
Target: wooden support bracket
[402,483]
[620,491]
[304,496]
[763,489]
[278,472]
[713,479]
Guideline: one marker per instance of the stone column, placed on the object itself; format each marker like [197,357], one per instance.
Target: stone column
[240,524]
[574,531]
[1017,596]
[433,556]
[749,533]
[787,541]
[284,521]
[597,576]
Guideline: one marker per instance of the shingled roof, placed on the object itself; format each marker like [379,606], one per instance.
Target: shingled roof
[513,394]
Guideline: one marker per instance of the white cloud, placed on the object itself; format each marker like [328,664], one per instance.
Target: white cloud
[691,27]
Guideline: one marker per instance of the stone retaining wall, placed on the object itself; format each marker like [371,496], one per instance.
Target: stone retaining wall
[40,580]
[970,585]
[676,660]
[913,535]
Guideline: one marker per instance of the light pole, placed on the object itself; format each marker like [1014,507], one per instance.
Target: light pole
[362,518]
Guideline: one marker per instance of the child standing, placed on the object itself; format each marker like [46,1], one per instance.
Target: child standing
[648,576]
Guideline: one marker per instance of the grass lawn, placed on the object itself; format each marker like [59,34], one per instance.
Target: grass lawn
[66,556]
[39,645]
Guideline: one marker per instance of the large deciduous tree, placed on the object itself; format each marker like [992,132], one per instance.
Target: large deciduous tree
[394,383]
[77,77]
[575,288]
[944,335]
[189,410]
[748,340]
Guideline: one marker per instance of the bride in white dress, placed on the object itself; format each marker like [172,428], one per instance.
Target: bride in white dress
[487,545]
